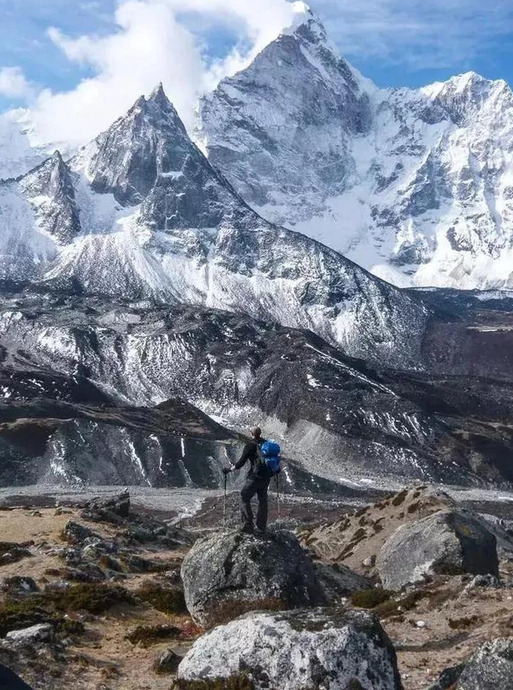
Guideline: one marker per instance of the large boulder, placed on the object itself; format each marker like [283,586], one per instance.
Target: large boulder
[448,542]
[489,668]
[297,649]
[231,573]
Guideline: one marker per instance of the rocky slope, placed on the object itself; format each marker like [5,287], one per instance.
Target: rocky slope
[341,418]
[141,213]
[95,596]
[414,185]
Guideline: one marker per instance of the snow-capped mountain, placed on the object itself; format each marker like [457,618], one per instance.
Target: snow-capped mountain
[414,185]
[140,212]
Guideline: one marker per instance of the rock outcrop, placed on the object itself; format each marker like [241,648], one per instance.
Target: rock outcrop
[111,509]
[297,649]
[448,542]
[229,574]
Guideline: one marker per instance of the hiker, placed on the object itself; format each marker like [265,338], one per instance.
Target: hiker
[264,464]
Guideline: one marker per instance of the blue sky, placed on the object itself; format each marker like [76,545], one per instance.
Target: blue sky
[394,42]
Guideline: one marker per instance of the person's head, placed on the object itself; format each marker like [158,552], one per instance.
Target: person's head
[256,432]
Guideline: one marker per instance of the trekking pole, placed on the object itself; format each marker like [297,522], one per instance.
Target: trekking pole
[224,503]
[278,494]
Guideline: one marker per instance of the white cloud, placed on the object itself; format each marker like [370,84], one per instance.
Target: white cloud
[14,84]
[151,44]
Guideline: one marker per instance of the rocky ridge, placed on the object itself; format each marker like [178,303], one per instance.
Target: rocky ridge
[414,185]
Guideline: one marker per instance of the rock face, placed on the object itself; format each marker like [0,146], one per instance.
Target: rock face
[447,542]
[412,184]
[231,573]
[490,668]
[158,221]
[337,416]
[297,649]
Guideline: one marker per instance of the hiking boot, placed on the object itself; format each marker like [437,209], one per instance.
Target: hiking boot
[261,532]
[246,530]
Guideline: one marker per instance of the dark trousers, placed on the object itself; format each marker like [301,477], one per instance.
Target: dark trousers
[260,487]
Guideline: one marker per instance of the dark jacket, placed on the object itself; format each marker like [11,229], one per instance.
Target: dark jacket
[250,454]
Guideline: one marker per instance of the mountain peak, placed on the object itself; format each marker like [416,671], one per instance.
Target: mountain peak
[158,95]
[305,24]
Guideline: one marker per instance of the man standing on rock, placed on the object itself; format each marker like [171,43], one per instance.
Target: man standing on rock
[257,482]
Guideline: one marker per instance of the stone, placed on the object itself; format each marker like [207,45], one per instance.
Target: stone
[447,542]
[114,509]
[12,553]
[77,534]
[167,662]
[337,580]
[483,581]
[297,649]
[18,586]
[36,634]
[230,573]
[489,668]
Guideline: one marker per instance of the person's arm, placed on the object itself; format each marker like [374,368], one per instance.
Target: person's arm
[246,455]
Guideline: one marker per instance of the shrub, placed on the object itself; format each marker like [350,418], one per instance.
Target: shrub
[165,599]
[395,607]
[92,597]
[146,635]
[229,610]
[462,623]
[400,498]
[370,598]
[16,614]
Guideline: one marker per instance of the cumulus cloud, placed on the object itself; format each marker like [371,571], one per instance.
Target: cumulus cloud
[14,84]
[152,43]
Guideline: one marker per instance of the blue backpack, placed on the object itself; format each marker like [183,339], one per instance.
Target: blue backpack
[269,455]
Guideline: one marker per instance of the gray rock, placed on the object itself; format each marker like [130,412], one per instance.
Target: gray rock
[489,668]
[112,509]
[298,649]
[231,573]
[77,534]
[18,586]
[167,662]
[447,542]
[483,581]
[43,632]
[338,580]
